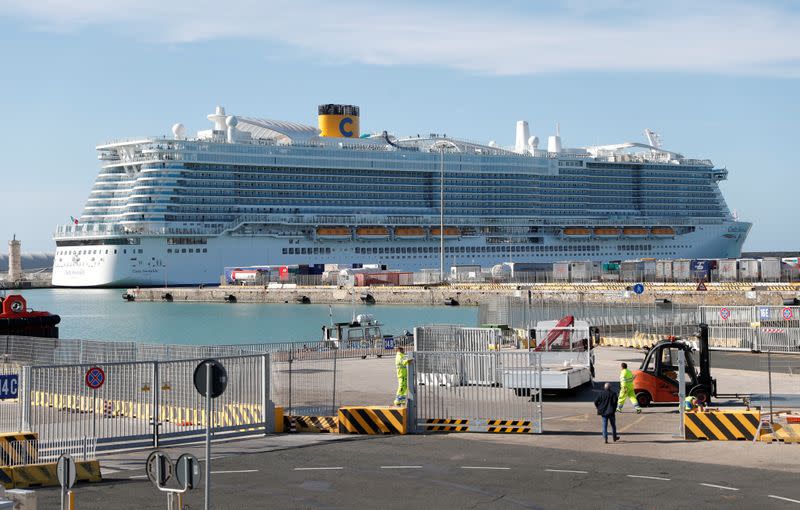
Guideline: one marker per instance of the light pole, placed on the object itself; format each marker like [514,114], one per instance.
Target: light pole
[441,145]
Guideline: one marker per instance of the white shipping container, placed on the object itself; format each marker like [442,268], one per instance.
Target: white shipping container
[726,270]
[458,270]
[664,270]
[748,270]
[649,270]
[771,269]
[580,271]
[682,270]
[561,271]
[631,270]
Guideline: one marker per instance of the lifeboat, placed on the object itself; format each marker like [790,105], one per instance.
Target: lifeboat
[577,232]
[662,231]
[372,232]
[333,233]
[634,232]
[409,232]
[607,232]
[16,319]
[448,232]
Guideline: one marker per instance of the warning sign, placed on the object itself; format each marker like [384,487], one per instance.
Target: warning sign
[701,285]
[725,313]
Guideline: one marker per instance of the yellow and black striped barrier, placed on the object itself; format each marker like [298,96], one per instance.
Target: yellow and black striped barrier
[509,426]
[19,448]
[782,433]
[372,420]
[317,424]
[7,477]
[45,475]
[722,425]
[445,425]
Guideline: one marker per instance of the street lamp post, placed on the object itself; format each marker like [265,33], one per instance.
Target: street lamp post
[441,213]
[441,145]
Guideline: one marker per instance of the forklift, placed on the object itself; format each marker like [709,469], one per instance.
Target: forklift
[657,378]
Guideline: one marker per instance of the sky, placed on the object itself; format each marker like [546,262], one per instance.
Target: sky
[716,79]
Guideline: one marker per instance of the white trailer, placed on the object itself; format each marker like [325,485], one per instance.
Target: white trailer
[566,359]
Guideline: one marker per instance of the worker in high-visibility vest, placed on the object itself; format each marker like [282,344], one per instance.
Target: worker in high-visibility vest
[626,389]
[401,362]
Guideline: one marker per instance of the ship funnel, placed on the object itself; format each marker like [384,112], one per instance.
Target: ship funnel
[339,121]
[523,133]
[554,142]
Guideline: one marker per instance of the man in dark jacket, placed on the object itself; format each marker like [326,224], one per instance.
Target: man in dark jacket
[606,404]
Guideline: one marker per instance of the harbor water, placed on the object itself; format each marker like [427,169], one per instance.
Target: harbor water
[102,314]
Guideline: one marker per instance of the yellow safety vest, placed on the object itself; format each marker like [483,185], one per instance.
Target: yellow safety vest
[401,364]
[625,378]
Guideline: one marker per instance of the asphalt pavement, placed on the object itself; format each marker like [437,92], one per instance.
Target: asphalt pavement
[453,471]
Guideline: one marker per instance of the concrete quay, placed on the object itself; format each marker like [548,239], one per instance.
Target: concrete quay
[475,294]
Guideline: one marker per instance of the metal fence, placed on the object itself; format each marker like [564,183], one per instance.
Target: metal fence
[23,350]
[476,388]
[753,328]
[140,404]
[457,338]
[306,387]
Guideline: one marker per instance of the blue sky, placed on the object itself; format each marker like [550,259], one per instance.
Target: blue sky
[718,81]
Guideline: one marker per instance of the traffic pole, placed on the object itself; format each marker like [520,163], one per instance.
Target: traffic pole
[208,436]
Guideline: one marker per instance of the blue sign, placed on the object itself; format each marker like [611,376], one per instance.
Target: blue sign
[638,288]
[388,343]
[763,313]
[9,385]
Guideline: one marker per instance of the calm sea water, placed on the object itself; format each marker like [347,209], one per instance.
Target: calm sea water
[101,314]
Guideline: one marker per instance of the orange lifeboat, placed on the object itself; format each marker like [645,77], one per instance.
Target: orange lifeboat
[409,232]
[448,232]
[607,232]
[334,233]
[577,232]
[634,232]
[372,232]
[662,231]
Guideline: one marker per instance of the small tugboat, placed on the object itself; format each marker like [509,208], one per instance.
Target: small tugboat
[16,319]
[363,332]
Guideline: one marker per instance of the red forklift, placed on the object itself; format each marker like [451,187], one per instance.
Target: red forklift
[657,378]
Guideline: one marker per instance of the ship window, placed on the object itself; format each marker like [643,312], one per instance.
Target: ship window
[169,250]
[358,249]
[183,250]
[124,251]
[205,250]
[327,250]
[115,252]
[191,250]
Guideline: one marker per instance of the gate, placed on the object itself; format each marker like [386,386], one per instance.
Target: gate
[753,328]
[143,404]
[488,391]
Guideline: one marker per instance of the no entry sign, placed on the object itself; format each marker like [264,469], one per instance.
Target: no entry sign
[95,377]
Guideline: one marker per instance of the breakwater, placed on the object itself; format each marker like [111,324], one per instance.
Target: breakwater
[474,295]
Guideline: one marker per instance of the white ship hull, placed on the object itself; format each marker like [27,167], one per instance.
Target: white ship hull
[153,262]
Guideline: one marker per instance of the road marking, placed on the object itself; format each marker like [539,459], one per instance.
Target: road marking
[484,467]
[626,427]
[317,468]
[566,471]
[649,477]
[784,499]
[720,487]
[234,471]
[134,477]
[401,467]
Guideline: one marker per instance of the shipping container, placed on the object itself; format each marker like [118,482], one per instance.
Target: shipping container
[581,271]
[726,270]
[631,270]
[701,270]
[748,270]
[332,267]
[561,271]
[664,270]
[458,270]
[682,270]
[770,269]
[649,270]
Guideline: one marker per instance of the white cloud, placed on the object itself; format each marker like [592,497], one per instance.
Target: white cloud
[609,35]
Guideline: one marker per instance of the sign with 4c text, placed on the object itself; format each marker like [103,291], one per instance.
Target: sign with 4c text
[9,385]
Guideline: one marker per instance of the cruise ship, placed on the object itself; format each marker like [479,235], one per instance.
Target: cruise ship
[175,210]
